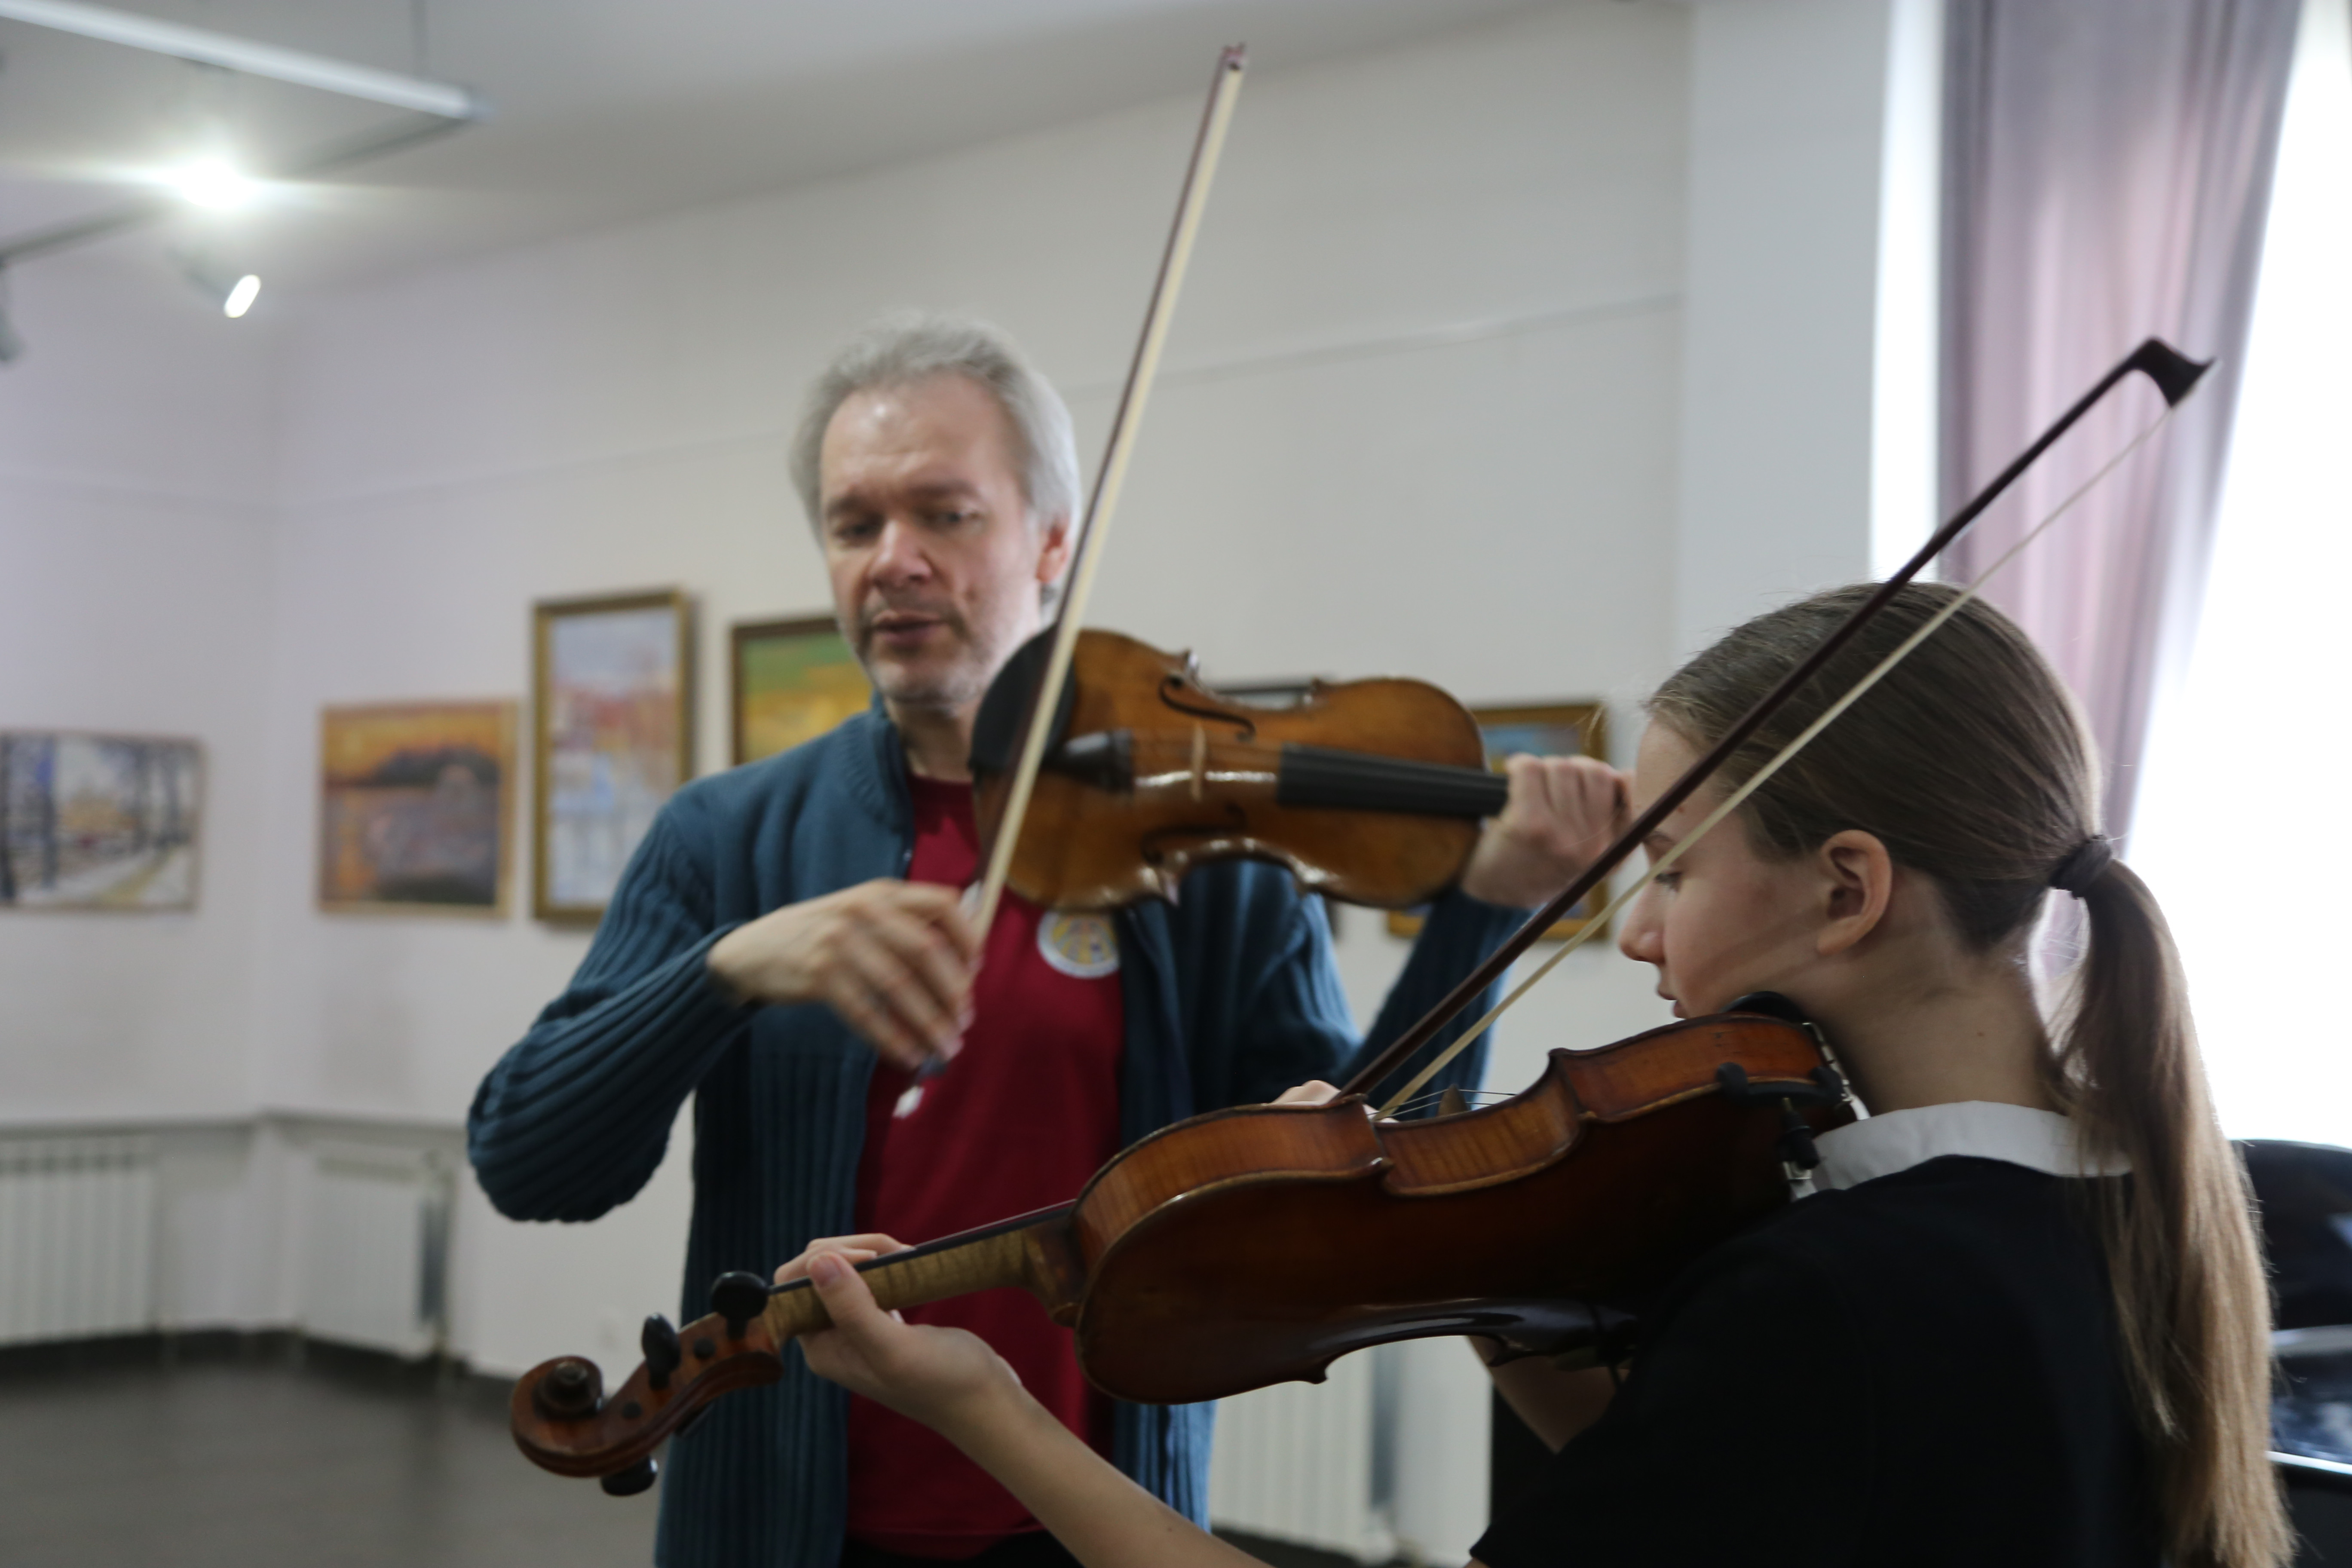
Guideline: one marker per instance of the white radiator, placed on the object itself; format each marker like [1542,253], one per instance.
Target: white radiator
[77,1238]
[1310,1463]
[375,1248]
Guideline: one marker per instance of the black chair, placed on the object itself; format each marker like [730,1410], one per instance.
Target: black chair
[2306,1193]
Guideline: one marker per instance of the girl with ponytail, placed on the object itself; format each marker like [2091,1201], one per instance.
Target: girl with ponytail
[2023,1322]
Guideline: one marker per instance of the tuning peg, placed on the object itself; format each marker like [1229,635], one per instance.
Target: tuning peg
[630,1481]
[739,1297]
[572,1388]
[659,1342]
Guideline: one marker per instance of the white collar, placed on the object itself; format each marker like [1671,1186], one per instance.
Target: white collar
[1898,1140]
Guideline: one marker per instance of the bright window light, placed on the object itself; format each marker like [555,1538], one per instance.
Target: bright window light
[241,297]
[214,182]
[2246,769]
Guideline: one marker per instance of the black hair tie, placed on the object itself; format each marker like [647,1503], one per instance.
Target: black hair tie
[2086,865]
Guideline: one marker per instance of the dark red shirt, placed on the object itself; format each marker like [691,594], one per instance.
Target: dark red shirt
[1027,1112]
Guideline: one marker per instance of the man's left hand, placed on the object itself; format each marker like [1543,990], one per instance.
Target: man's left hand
[1561,813]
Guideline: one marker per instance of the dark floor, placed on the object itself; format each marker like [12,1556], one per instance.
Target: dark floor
[255,1462]
[270,1454]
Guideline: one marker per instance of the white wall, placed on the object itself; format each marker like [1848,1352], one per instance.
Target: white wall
[1808,410]
[135,572]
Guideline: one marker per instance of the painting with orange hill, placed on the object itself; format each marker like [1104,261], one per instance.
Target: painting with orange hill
[794,681]
[415,812]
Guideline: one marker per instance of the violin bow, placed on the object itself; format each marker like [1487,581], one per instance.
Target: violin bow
[2173,373]
[1103,500]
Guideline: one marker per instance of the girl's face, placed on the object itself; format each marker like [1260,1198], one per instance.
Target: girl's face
[1723,921]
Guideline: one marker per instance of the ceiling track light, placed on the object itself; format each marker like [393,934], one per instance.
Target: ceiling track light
[206,47]
[234,293]
[440,107]
[214,184]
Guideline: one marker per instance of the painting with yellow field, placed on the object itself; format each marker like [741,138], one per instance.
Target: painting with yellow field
[794,681]
[416,807]
[97,822]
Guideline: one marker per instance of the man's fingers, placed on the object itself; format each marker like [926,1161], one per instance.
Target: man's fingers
[942,910]
[961,934]
[909,970]
[936,969]
[892,984]
[863,1011]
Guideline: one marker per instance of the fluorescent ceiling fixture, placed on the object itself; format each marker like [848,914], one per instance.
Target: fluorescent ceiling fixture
[239,55]
[214,182]
[241,298]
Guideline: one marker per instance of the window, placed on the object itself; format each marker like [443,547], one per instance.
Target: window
[2242,827]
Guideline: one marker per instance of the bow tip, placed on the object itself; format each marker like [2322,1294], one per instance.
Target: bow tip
[2173,372]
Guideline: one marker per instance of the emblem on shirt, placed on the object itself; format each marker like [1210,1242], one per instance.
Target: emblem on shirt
[1082,946]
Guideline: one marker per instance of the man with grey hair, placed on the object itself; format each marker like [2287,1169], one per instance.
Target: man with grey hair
[790,946]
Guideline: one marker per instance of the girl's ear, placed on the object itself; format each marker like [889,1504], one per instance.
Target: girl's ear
[1858,876]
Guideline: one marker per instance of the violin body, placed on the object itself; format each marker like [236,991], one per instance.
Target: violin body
[1257,1245]
[1369,791]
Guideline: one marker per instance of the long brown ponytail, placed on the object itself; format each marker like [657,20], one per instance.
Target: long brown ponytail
[1971,764]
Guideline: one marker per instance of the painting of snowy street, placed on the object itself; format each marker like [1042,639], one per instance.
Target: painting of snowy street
[97,822]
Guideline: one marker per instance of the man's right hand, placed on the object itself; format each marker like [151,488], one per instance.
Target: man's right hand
[894,960]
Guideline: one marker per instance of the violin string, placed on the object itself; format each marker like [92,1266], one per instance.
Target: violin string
[1787,753]
[1476,1097]
[1109,481]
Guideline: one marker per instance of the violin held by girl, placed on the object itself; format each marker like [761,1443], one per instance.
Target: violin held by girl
[2024,1320]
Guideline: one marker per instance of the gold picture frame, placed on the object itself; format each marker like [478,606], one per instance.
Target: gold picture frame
[611,739]
[789,681]
[417,808]
[1543,730]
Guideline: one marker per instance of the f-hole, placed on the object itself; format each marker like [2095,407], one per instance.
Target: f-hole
[1182,696]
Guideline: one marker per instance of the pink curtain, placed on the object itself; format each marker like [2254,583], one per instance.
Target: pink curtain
[2106,171]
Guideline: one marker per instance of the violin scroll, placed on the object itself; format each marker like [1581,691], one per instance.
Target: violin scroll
[563,1421]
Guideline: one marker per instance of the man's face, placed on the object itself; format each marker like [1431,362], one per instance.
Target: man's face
[936,566]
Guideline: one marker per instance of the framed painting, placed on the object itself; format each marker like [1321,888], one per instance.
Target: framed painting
[612,733]
[98,822]
[415,807]
[792,681]
[1541,729]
